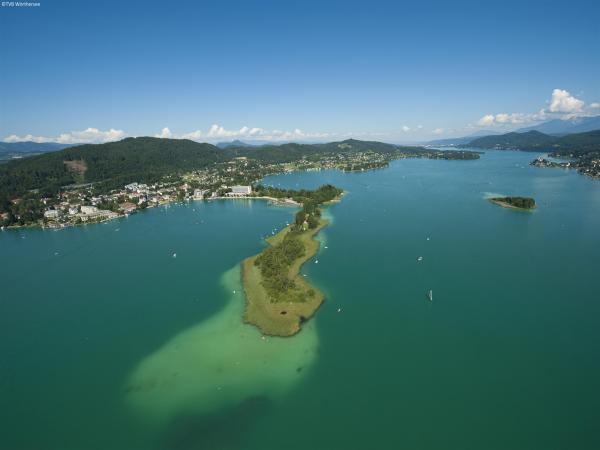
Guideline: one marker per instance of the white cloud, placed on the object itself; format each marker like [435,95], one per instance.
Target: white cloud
[405,128]
[486,120]
[193,135]
[217,132]
[564,102]
[438,131]
[562,105]
[87,136]
[164,134]
[595,105]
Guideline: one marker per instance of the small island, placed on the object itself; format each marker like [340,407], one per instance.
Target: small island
[522,203]
[278,298]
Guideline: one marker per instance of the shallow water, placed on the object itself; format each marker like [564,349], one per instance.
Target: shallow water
[219,363]
[107,341]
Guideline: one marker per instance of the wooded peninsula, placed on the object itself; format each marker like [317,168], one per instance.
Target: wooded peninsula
[278,299]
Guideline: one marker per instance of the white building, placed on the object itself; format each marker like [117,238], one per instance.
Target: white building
[52,214]
[99,214]
[239,191]
[89,210]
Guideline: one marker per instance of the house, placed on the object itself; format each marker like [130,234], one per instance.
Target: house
[239,191]
[199,193]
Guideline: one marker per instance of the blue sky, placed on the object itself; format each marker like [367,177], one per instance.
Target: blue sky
[391,71]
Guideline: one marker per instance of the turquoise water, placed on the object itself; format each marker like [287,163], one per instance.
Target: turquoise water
[108,341]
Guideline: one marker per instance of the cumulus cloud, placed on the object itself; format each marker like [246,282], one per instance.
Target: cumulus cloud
[486,120]
[193,135]
[438,131]
[564,102]
[405,128]
[87,136]
[561,105]
[217,132]
[164,134]
[510,118]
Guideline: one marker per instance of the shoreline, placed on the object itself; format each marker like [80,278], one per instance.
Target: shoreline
[282,319]
[275,201]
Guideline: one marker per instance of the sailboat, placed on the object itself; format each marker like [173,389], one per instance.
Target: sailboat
[430,295]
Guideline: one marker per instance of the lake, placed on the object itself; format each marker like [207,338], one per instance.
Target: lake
[128,334]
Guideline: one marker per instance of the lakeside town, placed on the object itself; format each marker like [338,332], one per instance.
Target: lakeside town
[588,165]
[89,203]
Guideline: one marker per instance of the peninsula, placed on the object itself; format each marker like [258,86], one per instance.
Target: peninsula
[278,298]
[523,203]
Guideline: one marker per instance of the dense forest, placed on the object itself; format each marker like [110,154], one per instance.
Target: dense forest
[275,261]
[321,195]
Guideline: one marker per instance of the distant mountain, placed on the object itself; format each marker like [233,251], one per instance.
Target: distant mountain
[577,143]
[481,133]
[450,142]
[234,143]
[568,126]
[29,146]
[10,150]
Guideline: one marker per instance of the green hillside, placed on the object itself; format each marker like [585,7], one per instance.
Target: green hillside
[578,143]
[148,160]
[531,140]
[133,159]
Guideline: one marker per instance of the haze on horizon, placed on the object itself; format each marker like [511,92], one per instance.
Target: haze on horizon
[75,72]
